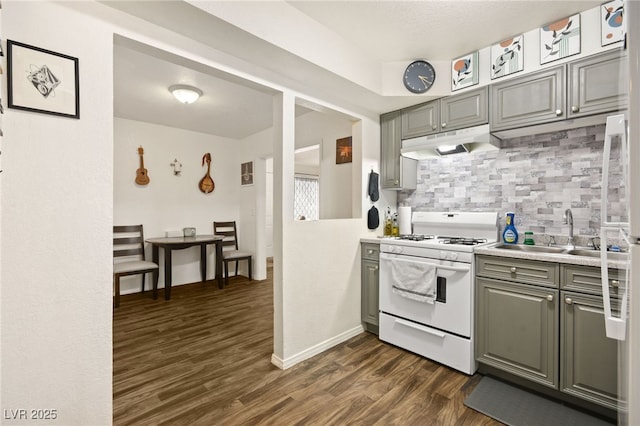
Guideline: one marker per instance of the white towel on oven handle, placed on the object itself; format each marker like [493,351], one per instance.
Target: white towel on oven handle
[414,280]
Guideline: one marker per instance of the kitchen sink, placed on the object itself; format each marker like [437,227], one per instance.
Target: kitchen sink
[612,255]
[530,249]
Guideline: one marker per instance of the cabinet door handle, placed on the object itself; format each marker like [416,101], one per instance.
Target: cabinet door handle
[558,112]
[370,251]
[568,300]
[434,127]
[396,182]
[550,297]
[575,109]
[615,283]
[513,269]
[443,125]
[375,268]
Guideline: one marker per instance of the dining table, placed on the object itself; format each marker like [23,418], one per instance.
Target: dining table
[169,244]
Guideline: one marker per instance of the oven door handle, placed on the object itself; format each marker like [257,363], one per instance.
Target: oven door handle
[453,268]
[420,328]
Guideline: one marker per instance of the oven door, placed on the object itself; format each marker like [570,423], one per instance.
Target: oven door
[452,309]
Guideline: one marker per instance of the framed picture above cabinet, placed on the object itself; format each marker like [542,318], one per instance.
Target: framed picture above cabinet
[507,57]
[464,71]
[560,39]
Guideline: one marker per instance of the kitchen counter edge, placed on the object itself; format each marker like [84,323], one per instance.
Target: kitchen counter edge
[546,257]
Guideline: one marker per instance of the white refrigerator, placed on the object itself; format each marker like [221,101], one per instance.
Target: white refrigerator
[623,134]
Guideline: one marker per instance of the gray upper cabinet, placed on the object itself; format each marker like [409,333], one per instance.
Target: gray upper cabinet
[420,120]
[535,98]
[465,110]
[391,143]
[396,172]
[598,84]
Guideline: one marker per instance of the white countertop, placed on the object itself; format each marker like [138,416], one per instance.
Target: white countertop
[371,240]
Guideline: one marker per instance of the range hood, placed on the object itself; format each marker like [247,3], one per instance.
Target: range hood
[464,140]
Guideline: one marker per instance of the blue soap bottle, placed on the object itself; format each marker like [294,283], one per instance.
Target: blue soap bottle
[510,233]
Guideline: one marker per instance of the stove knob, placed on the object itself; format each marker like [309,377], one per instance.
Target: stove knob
[399,249]
[443,255]
[453,256]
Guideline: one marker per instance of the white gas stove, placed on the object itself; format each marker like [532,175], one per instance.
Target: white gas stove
[442,328]
[445,231]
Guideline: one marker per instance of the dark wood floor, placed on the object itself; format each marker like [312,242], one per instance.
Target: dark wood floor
[203,358]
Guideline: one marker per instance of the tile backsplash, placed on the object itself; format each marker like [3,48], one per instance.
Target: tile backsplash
[538,177]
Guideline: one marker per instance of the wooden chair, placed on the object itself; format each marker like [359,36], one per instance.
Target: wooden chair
[129,258]
[230,252]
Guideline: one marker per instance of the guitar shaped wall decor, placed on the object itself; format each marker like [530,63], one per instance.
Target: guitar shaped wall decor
[206,184]
[142,178]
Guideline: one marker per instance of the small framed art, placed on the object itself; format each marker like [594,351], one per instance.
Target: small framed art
[343,150]
[560,39]
[40,80]
[507,57]
[246,173]
[464,71]
[612,26]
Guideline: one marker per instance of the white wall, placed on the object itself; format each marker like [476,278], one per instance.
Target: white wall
[172,202]
[57,186]
[58,209]
[335,179]
[589,44]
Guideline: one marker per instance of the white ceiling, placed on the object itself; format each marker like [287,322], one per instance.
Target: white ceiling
[381,31]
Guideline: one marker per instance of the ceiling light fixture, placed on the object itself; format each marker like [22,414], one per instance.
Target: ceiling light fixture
[185,94]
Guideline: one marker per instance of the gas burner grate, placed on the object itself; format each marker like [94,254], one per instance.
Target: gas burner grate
[462,241]
[416,237]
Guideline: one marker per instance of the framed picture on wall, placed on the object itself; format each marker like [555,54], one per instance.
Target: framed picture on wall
[612,22]
[464,71]
[343,150]
[246,173]
[507,57]
[560,39]
[40,80]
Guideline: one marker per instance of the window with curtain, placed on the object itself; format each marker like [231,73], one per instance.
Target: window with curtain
[306,198]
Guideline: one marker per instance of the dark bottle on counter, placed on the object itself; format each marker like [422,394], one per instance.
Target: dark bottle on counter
[510,233]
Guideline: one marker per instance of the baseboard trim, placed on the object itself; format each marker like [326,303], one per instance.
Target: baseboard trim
[283,364]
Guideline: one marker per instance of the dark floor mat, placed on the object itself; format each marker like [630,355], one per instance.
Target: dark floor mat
[517,407]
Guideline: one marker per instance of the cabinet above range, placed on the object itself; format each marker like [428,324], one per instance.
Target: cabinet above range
[454,112]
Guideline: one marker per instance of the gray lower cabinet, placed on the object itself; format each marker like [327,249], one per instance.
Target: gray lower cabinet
[589,359]
[533,99]
[370,279]
[544,322]
[517,329]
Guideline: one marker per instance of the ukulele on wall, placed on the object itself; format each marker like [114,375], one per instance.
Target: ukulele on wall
[142,178]
[206,184]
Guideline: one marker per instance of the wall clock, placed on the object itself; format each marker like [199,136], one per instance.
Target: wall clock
[419,76]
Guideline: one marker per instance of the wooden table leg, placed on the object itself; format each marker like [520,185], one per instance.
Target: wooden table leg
[167,273]
[219,264]
[203,262]
[156,259]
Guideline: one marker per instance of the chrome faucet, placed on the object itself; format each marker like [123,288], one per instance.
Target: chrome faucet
[568,219]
